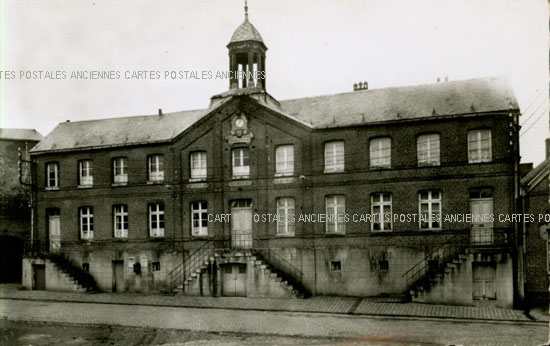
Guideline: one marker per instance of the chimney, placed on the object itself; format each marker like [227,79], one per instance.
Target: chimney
[160,111]
[360,86]
[547,141]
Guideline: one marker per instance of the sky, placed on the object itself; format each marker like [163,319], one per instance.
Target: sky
[315,47]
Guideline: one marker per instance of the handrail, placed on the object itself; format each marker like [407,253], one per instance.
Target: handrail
[280,263]
[184,269]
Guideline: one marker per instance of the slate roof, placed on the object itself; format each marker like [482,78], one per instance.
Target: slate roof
[118,131]
[355,108]
[401,103]
[543,168]
[246,32]
[21,134]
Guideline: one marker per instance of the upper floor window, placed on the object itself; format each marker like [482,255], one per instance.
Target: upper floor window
[86,222]
[120,170]
[381,211]
[430,209]
[335,214]
[199,218]
[285,216]
[334,156]
[284,160]
[156,168]
[479,146]
[121,221]
[198,165]
[427,148]
[156,220]
[85,174]
[52,175]
[241,165]
[380,152]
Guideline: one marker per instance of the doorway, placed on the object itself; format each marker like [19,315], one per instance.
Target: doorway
[234,280]
[54,230]
[118,276]
[484,281]
[39,277]
[241,224]
[481,208]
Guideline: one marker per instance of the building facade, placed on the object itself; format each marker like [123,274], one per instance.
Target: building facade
[365,193]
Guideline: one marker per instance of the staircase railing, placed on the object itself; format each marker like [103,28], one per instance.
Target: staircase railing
[178,275]
[443,254]
[290,273]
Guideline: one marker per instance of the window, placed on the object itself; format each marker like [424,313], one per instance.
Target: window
[52,175]
[334,156]
[198,165]
[156,168]
[121,221]
[479,146]
[86,223]
[381,212]
[85,176]
[427,148]
[285,216]
[430,209]
[155,266]
[120,170]
[335,214]
[199,218]
[380,152]
[383,265]
[335,266]
[156,220]
[284,160]
[241,168]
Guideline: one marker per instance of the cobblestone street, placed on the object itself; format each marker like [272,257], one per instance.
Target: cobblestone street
[335,327]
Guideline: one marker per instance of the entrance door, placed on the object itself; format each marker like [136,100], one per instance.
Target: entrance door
[484,280]
[39,277]
[241,224]
[481,208]
[118,276]
[54,230]
[234,280]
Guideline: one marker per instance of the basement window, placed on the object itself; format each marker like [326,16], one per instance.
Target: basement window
[86,267]
[383,265]
[335,266]
[155,266]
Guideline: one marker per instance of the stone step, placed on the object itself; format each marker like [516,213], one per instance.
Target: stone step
[463,257]
[451,265]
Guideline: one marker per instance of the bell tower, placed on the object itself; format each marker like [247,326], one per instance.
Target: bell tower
[247,57]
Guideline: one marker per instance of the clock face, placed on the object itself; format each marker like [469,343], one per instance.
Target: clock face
[239,123]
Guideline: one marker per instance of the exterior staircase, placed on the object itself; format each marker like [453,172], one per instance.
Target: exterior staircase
[79,279]
[268,264]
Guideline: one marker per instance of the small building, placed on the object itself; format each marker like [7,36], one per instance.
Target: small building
[15,209]
[374,192]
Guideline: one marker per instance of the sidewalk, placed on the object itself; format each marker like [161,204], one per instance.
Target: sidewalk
[331,305]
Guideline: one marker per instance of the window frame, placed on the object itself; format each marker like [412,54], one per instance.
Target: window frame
[120,233]
[381,204]
[198,177]
[335,206]
[335,166]
[202,212]
[88,179]
[380,162]
[159,214]
[284,168]
[122,178]
[157,161]
[86,213]
[243,171]
[479,149]
[430,201]
[55,178]
[286,219]
[430,160]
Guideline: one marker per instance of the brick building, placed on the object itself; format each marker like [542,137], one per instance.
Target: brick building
[361,184]
[15,212]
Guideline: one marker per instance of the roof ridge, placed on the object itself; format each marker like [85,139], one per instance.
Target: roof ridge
[133,116]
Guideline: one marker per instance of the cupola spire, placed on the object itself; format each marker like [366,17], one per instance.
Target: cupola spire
[246,10]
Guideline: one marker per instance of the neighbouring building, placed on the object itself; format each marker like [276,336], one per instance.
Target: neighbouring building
[15,211]
[371,192]
[536,202]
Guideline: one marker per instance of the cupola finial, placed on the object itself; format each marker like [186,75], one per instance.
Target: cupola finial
[245,10]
